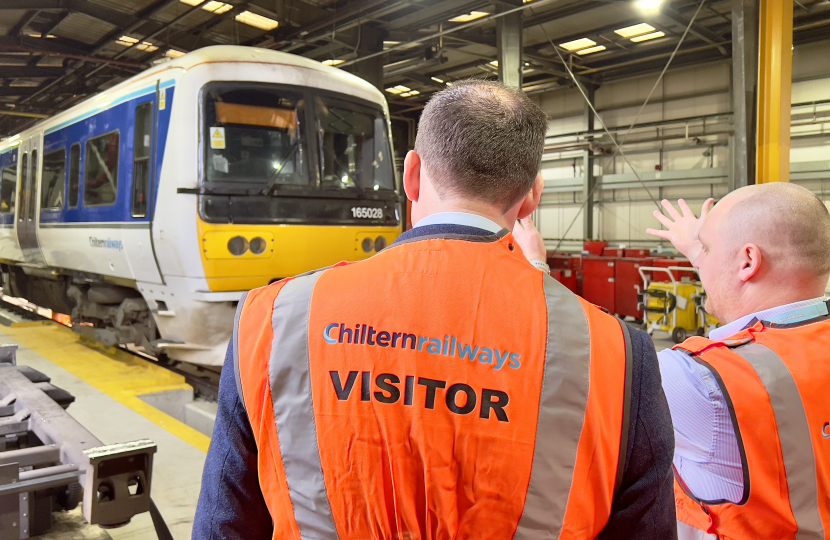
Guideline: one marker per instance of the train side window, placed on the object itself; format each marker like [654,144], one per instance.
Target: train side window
[101,178]
[24,175]
[142,150]
[53,180]
[74,174]
[8,188]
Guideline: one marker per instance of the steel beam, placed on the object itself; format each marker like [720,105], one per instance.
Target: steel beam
[744,88]
[588,169]
[775,77]
[509,44]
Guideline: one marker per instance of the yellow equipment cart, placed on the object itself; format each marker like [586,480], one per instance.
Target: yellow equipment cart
[676,306]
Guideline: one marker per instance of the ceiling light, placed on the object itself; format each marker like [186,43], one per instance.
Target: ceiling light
[217,8]
[258,21]
[648,5]
[146,46]
[388,44]
[414,93]
[192,2]
[578,44]
[394,90]
[636,30]
[471,16]
[436,79]
[494,63]
[173,53]
[332,62]
[646,37]
[126,41]
[403,88]
[591,50]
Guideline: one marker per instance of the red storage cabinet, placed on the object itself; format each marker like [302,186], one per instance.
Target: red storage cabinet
[637,253]
[613,252]
[598,281]
[593,248]
[628,285]
[566,278]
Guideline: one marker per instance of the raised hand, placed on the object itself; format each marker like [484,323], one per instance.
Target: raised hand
[530,240]
[682,230]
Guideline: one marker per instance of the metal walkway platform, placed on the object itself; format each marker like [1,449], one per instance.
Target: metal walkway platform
[108,385]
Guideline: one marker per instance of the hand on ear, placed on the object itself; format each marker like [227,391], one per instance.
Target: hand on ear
[749,258]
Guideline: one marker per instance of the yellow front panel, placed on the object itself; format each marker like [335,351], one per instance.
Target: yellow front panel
[291,250]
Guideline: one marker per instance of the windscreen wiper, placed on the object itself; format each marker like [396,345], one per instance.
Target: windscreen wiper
[272,180]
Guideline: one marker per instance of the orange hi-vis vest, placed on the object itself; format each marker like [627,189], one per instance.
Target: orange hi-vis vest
[776,380]
[443,388]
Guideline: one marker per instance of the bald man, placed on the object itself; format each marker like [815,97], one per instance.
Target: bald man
[750,404]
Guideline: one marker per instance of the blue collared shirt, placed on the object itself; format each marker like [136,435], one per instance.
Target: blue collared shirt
[706,453]
[460,218]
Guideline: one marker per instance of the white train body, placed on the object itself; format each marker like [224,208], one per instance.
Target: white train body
[165,171]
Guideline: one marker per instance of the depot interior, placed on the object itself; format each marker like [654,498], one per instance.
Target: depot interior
[629,134]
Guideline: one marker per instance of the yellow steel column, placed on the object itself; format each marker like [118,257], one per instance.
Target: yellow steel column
[775,76]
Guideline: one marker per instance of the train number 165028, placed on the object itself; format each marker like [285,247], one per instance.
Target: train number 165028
[367,213]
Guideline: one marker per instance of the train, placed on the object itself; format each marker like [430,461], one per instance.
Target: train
[146,211]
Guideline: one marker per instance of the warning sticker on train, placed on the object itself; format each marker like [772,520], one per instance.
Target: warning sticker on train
[217,138]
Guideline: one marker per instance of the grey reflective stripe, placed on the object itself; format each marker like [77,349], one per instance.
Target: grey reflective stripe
[562,406]
[294,412]
[794,433]
[235,348]
[626,420]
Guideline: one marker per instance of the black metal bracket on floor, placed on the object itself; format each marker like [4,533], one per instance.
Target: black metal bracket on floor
[48,459]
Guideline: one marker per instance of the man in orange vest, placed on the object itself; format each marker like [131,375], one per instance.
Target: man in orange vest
[444,388]
[749,404]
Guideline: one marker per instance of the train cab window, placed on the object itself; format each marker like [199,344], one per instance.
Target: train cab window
[31,186]
[253,137]
[53,180]
[142,150]
[101,163]
[354,146]
[74,174]
[8,186]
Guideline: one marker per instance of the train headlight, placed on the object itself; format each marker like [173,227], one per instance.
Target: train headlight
[380,243]
[258,245]
[367,245]
[238,245]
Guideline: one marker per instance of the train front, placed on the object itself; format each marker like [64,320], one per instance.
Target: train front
[292,178]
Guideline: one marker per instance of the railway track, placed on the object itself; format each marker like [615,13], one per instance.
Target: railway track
[204,380]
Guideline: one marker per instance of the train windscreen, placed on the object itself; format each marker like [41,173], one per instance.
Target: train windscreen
[275,154]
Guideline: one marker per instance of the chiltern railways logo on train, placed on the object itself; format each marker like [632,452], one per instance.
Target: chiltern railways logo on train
[363,334]
[106,244]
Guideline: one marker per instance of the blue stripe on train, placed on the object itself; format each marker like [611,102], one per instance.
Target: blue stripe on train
[120,117]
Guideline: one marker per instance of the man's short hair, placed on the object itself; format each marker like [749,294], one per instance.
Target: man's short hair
[789,223]
[483,140]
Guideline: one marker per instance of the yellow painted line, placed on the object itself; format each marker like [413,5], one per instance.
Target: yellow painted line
[119,375]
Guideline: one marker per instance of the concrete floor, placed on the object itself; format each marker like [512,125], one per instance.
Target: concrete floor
[178,463]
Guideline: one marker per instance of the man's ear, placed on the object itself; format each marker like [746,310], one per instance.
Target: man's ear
[412,175]
[749,259]
[531,200]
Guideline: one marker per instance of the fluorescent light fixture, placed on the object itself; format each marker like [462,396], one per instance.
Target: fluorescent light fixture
[258,21]
[332,62]
[648,5]
[436,79]
[494,63]
[388,44]
[577,44]
[636,30]
[192,2]
[173,53]
[646,37]
[591,50]
[217,8]
[146,46]
[126,41]
[414,93]
[471,16]
[394,90]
